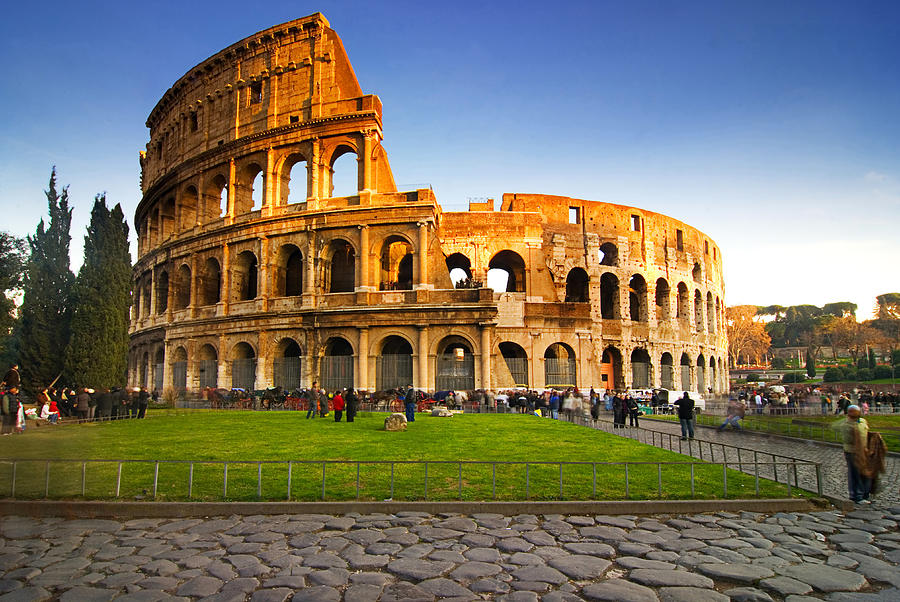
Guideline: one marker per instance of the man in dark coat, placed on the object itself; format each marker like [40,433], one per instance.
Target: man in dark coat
[9,409]
[105,402]
[12,379]
[686,416]
[143,399]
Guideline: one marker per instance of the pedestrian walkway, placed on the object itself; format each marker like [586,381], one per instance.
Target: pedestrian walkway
[667,435]
[418,556]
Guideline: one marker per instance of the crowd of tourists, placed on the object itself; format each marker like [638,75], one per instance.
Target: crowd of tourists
[54,403]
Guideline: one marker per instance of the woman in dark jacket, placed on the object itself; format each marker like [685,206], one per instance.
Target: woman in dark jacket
[618,411]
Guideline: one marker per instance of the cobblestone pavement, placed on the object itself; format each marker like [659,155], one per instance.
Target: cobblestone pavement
[415,556]
[667,435]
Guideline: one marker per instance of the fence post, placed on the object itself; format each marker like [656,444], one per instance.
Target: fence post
[83,485]
[818,478]
[725,480]
[12,492]
[323,481]
[560,481]
[155,478]
[493,480]
[191,481]
[47,480]
[526,480]
[426,481]
[290,467]
[225,482]
[357,480]
[258,480]
[659,479]
[627,492]
[756,467]
[392,480]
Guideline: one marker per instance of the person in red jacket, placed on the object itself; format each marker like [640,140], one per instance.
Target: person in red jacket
[337,403]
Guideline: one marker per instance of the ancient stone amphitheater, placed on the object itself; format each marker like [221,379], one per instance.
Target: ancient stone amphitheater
[251,273]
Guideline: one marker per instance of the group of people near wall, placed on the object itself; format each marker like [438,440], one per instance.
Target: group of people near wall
[82,403]
[319,402]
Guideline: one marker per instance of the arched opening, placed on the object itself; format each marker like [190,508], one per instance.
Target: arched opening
[159,364]
[640,369]
[337,365]
[146,292]
[340,267]
[183,287]
[207,367]
[136,303]
[514,266]
[210,285]
[609,254]
[713,373]
[394,363]
[289,272]
[294,180]
[710,314]
[577,289]
[179,370]
[168,218]
[153,228]
[145,370]
[216,198]
[189,207]
[288,365]
[244,276]
[667,372]
[701,373]
[685,372]
[249,188]
[455,365]
[611,369]
[460,269]
[698,310]
[257,191]
[609,296]
[162,292]
[719,321]
[243,367]
[637,298]
[559,366]
[344,173]
[663,307]
[683,310]
[396,265]
[516,362]
[697,273]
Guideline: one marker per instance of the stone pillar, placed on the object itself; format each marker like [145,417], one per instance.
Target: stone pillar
[422,380]
[264,273]
[223,376]
[167,365]
[535,363]
[313,192]
[309,282]
[485,356]
[225,293]
[190,376]
[423,256]
[170,294]
[192,301]
[363,259]
[232,190]
[363,360]
[585,378]
[263,376]
[272,184]
[366,160]
[152,294]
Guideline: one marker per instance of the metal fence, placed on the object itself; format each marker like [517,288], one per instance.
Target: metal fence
[394,370]
[208,371]
[455,374]
[559,372]
[518,369]
[179,375]
[337,372]
[288,372]
[38,477]
[243,373]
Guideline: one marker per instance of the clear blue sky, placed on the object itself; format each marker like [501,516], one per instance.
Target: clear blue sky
[772,126]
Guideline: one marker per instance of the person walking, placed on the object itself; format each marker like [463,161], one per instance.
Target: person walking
[855,432]
[338,404]
[619,411]
[686,416]
[312,399]
[409,404]
[736,413]
[143,400]
[554,405]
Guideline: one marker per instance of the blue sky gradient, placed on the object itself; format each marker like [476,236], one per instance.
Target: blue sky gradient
[773,127]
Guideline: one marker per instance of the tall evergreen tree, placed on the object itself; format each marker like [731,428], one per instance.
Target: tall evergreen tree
[45,312]
[98,350]
[12,264]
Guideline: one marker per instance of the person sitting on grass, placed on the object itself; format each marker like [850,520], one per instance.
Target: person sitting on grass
[736,412]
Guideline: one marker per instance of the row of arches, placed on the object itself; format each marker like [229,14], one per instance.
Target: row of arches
[297,173]
[289,272]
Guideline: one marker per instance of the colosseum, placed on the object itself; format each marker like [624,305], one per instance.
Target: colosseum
[251,273]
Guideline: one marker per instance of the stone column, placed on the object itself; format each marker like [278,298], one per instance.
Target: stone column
[485,356]
[309,282]
[167,365]
[366,160]
[170,294]
[362,378]
[313,191]
[585,378]
[192,301]
[422,380]
[223,376]
[225,293]
[423,256]
[190,376]
[152,313]
[264,273]
[535,363]
[232,190]
[363,259]
[272,184]
[263,376]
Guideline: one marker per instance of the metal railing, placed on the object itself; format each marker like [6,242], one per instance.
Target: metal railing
[787,476]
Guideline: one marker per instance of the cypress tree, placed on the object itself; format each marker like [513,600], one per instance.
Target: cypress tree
[45,313]
[97,355]
[12,264]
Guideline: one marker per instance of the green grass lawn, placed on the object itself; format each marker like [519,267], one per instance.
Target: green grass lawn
[258,446]
[820,430]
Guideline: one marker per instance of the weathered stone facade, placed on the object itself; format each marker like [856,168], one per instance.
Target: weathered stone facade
[244,280]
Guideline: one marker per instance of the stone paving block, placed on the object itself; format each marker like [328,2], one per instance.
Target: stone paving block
[540,573]
[330,577]
[657,578]
[825,578]
[785,586]
[530,586]
[489,586]
[470,571]
[690,594]
[363,593]
[200,586]
[27,594]
[738,573]
[748,594]
[404,592]
[619,590]
[591,549]
[580,567]
[634,562]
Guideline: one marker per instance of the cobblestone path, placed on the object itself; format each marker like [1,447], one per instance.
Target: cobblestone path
[415,556]
[740,447]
